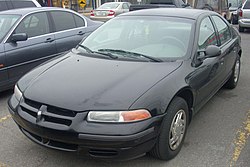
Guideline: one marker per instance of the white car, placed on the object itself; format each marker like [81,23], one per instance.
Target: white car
[14,4]
[244,16]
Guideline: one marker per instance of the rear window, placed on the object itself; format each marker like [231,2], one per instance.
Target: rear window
[247,5]
[23,4]
[109,6]
[3,6]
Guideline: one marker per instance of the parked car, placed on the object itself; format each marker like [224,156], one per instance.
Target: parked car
[244,16]
[109,10]
[234,6]
[15,4]
[219,6]
[132,86]
[159,4]
[30,36]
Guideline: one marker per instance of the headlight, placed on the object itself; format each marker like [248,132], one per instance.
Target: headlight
[118,116]
[18,93]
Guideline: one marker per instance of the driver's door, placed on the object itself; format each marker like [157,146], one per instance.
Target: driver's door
[207,75]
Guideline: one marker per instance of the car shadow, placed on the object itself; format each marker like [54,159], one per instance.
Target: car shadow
[6,94]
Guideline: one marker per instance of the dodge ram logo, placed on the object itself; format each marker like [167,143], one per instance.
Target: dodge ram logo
[42,109]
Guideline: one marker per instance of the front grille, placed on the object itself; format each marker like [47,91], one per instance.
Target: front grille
[51,114]
[102,153]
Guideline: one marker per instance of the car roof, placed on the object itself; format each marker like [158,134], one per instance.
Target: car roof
[24,11]
[172,12]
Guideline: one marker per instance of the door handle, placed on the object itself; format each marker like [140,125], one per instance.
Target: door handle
[48,40]
[81,33]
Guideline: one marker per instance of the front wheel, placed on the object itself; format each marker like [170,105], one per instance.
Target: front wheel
[173,130]
[234,78]
[241,29]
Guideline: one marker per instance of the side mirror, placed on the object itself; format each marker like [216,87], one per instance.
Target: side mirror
[19,37]
[210,51]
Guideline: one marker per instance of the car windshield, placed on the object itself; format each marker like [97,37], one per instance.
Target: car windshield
[157,37]
[109,6]
[6,22]
[247,5]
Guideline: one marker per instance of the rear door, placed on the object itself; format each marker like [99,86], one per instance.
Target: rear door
[22,56]
[69,29]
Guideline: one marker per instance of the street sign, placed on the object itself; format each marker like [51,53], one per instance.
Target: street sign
[82,3]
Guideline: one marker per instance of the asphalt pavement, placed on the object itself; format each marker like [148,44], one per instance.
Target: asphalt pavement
[218,136]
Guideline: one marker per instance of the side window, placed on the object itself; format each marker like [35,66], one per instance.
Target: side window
[125,6]
[22,4]
[207,34]
[79,21]
[63,20]
[3,6]
[223,29]
[34,25]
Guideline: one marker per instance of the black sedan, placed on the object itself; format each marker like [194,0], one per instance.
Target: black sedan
[31,36]
[132,86]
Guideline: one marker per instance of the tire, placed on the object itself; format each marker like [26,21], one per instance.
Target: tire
[234,78]
[207,7]
[241,29]
[163,149]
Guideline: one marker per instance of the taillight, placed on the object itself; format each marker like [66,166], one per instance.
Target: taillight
[111,13]
[92,13]
[240,13]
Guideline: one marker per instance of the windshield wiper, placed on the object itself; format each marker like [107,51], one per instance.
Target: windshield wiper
[91,51]
[131,54]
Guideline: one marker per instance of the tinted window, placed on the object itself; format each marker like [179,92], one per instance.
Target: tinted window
[247,5]
[23,4]
[125,6]
[79,21]
[207,34]
[6,22]
[3,6]
[34,25]
[63,20]
[223,29]
[111,5]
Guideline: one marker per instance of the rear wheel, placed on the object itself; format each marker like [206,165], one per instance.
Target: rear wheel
[173,130]
[234,78]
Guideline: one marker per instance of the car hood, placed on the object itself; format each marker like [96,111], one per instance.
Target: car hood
[83,83]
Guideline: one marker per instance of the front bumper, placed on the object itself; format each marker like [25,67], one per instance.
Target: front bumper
[100,140]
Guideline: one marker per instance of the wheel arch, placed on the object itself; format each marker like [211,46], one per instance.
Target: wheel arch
[187,94]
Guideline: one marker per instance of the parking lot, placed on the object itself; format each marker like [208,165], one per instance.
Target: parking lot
[217,136]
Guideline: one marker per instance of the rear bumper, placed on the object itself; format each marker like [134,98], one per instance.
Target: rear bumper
[122,143]
[245,23]
[103,19]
